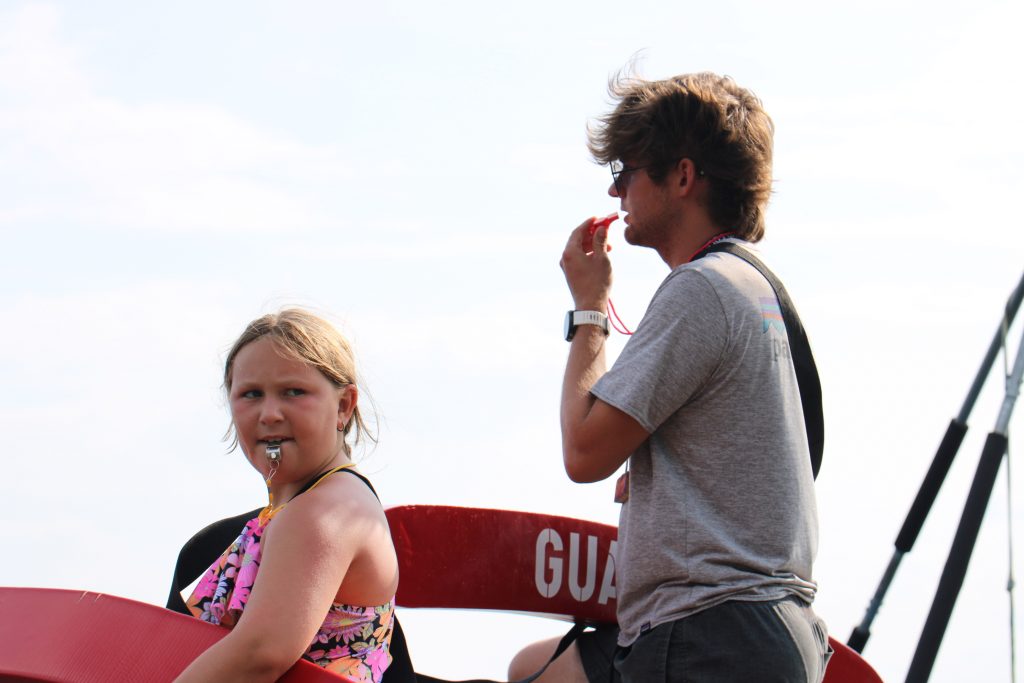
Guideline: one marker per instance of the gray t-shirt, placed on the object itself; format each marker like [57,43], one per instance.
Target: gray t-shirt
[721,499]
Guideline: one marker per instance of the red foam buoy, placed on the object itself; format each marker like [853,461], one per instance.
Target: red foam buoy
[85,637]
[474,558]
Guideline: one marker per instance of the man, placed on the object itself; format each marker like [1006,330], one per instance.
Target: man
[718,526]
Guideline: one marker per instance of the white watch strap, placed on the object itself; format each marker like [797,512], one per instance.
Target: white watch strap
[590,318]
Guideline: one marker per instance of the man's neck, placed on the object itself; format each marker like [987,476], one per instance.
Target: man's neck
[689,239]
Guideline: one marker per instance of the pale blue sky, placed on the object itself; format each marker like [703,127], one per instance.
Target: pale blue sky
[169,172]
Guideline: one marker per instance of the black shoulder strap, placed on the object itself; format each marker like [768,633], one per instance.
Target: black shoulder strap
[315,480]
[365,481]
[800,348]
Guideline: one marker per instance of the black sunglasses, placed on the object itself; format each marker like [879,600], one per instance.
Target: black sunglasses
[619,169]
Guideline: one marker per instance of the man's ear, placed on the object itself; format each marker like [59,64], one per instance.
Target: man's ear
[686,176]
[348,397]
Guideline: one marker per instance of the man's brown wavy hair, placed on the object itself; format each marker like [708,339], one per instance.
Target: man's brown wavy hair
[706,118]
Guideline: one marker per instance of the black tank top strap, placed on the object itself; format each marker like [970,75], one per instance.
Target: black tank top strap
[323,475]
[365,481]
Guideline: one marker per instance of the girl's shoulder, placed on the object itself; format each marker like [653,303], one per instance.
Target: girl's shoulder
[338,501]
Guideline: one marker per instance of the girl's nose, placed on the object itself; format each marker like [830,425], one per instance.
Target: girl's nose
[270,411]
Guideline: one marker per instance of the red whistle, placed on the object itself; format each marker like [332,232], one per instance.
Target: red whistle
[603,222]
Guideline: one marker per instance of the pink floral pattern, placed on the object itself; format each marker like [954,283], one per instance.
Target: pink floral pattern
[353,641]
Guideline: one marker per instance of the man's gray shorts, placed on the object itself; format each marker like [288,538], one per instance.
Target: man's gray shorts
[780,641]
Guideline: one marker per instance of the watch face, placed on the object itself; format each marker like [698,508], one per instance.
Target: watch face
[569,328]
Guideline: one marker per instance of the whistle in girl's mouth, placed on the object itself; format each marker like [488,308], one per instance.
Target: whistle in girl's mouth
[274,451]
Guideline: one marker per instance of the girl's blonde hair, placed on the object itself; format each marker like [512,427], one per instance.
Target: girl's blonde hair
[308,338]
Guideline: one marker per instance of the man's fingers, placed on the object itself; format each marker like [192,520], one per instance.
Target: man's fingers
[600,238]
[585,236]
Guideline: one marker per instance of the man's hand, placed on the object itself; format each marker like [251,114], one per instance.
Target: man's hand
[587,268]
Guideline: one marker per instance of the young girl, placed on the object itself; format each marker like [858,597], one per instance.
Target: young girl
[314,575]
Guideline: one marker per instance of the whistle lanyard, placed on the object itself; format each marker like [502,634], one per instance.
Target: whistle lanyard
[702,252]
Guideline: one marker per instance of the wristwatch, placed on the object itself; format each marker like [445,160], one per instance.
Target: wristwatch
[574,319]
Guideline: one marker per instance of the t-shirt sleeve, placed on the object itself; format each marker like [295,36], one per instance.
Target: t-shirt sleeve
[674,351]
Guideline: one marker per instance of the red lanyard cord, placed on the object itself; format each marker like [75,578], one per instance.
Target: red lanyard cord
[616,321]
[717,238]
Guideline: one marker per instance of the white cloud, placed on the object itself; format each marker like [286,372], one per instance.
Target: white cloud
[81,156]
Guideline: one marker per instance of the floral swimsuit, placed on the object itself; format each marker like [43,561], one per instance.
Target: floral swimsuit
[352,641]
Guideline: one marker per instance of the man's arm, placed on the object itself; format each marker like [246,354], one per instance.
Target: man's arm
[596,437]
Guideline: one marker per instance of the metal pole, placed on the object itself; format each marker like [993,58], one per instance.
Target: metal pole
[953,573]
[937,472]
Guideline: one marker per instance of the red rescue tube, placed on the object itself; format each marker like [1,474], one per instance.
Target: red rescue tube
[476,558]
[85,637]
